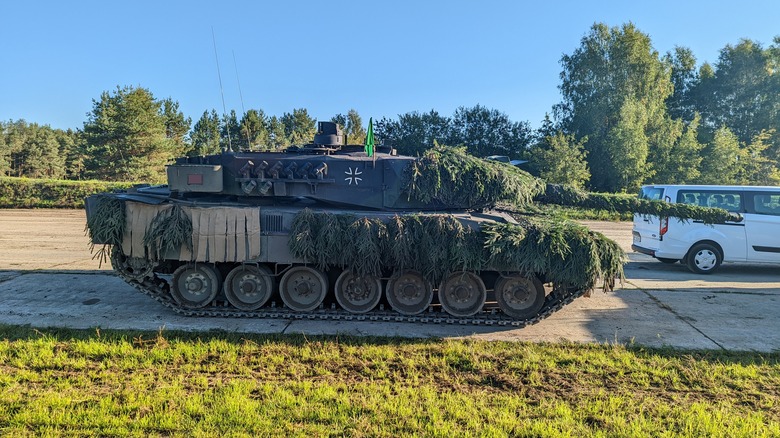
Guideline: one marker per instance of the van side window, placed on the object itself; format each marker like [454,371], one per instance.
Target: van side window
[766,203]
[727,200]
[651,193]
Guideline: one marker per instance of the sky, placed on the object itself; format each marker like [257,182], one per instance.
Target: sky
[382,58]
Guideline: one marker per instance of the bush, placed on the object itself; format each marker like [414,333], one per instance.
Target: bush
[49,193]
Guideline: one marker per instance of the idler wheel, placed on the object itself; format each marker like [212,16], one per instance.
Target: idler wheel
[195,285]
[303,288]
[358,294]
[519,297]
[137,268]
[249,287]
[462,294]
[409,293]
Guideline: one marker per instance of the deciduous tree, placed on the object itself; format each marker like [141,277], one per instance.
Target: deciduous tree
[723,164]
[487,132]
[614,88]
[560,159]
[413,133]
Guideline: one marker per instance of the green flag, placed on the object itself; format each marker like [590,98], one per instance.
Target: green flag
[370,138]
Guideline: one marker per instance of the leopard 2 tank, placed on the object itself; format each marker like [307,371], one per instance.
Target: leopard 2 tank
[330,231]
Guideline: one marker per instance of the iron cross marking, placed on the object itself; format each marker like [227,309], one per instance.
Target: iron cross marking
[353,175]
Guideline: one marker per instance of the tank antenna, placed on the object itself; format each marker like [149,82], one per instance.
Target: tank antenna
[241,96]
[221,92]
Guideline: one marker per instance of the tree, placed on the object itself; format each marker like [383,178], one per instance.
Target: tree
[614,89]
[277,139]
[352,125]
[680,104]
[723,164]
[488,132]
[176,126]
[560,159]
[5,150]
[126,137]
[742,91]
[31,150]
[339,119]
[678,159]
[355,132]
[72,148]
[299,128]
[757,168]
[229,133]
[626,146]
[413,133]
[205,135]
[254,130]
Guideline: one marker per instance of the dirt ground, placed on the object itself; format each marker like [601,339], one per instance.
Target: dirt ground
[48,278]
[44,239]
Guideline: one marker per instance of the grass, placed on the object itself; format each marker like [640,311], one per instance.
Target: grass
[86,383]
[574,213]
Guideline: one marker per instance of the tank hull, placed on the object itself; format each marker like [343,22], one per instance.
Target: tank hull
[239,259]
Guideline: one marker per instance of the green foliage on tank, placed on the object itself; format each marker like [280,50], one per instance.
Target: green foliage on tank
[168,231]
[455,179]
[105,225]
[452,177]
[570,196]
[438,244]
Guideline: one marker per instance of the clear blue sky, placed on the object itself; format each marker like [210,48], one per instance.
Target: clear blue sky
[382,58]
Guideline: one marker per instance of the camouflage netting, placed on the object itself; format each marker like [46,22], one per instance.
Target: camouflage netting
[436,245]
[169,230]
[452,178]
[569,196]
[106,225]
[566,252]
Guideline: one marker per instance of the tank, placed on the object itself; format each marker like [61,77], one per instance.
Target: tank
[329,231]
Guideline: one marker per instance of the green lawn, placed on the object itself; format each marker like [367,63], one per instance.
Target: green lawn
[87,383]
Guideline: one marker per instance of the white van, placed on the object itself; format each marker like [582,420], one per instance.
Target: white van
[703,246]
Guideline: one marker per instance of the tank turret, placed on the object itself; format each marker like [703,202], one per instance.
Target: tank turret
[326,171]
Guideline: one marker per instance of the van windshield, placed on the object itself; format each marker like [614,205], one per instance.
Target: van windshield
[651,193]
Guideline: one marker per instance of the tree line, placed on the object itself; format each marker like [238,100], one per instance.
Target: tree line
[628,116]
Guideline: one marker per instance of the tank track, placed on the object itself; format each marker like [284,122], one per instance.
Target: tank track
[157,288]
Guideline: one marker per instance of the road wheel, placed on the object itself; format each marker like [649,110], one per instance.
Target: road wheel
[303,288]
[704,258]
[462,294]
[195,285]
[409,293]
[249,287]
[519,297]
[358,294]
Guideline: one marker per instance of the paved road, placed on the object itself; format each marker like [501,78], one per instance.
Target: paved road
[48,278]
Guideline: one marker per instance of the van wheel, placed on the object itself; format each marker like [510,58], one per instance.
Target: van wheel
[667,261]
[704,258]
